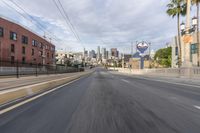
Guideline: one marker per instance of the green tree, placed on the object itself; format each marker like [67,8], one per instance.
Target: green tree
[177,8]
[196,2]
[164,57]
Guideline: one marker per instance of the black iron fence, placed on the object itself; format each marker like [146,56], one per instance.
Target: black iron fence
[8,68]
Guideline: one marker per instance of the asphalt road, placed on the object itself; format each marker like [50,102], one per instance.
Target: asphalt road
[109,103]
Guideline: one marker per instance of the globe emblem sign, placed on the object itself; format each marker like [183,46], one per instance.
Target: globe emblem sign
[142,47]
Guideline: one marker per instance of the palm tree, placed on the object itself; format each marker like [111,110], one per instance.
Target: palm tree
[177,8]
[196,2]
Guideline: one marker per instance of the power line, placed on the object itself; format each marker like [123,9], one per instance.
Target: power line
[30,18]
[70,24]
[67,16]
[67,19]
[63,15]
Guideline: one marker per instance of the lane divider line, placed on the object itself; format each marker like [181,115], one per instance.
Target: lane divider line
[35,97]
[197,107]
[20,88]
[125,80]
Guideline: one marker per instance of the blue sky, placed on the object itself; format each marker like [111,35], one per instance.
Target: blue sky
[108,23]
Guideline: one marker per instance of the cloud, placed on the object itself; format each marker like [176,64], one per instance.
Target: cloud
[98,21]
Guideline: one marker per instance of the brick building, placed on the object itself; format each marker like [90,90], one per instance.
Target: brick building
[17,43]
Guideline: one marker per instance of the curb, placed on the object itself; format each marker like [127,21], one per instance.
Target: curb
[30,90]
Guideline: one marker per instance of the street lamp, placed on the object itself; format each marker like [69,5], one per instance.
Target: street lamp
[187,37]
[190,29]
[182,26]
[194,21]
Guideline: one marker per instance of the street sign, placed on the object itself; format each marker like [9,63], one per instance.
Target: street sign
[142,47]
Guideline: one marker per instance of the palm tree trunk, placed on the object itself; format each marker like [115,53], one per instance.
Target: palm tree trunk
[179,42]
[198,44]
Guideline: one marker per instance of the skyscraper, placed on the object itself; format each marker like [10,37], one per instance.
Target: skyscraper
[92,54]
[114,53]
[98,53]
[103,52]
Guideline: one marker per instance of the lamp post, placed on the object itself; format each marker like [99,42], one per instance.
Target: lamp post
[186,62]
[186,33]
[195,25]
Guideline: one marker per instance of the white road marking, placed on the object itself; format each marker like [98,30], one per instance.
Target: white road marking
[198,107]
[125,80]
[164,81]
[20,88]
[34,98]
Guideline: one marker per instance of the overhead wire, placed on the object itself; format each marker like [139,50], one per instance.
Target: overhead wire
[65,16]
[31,19]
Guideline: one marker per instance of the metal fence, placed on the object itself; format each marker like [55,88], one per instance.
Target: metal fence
[8,68]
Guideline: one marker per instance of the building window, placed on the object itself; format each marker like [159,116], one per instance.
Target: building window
[40,53]
[193,48]
[32,52]
[47,55]
[23,50]
[1,32]
[24,39]
[52,56]
[47,47]
[34,43]
[41,45]
[12,59]
[52,48]
[13,36]
[23,60]
[176,51]
[12,48]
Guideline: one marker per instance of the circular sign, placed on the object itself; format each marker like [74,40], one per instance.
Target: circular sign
[142,47]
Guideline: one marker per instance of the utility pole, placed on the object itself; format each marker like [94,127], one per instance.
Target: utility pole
[198,45]
[149,55]
[187,62]
[131,48]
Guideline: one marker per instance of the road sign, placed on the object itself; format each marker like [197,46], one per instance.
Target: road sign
[142,47]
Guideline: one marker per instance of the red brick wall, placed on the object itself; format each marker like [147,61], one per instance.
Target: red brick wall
[5,45]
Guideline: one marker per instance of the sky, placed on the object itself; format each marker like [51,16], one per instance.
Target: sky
[105,23]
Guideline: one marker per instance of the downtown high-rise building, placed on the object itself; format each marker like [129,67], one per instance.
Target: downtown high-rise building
[114,53]
[98,53]
[104,54]
[92,54]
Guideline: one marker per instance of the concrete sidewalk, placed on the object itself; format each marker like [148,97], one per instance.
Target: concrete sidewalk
[186,81]
[10,83]
[17,89]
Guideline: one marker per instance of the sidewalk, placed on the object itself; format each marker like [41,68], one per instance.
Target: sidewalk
[10,83]
[14,90]
[188,81]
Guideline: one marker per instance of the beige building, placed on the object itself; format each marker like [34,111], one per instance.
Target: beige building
[134,63]
[193,51]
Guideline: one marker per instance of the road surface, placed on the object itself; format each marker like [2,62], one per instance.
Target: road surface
[109,103]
